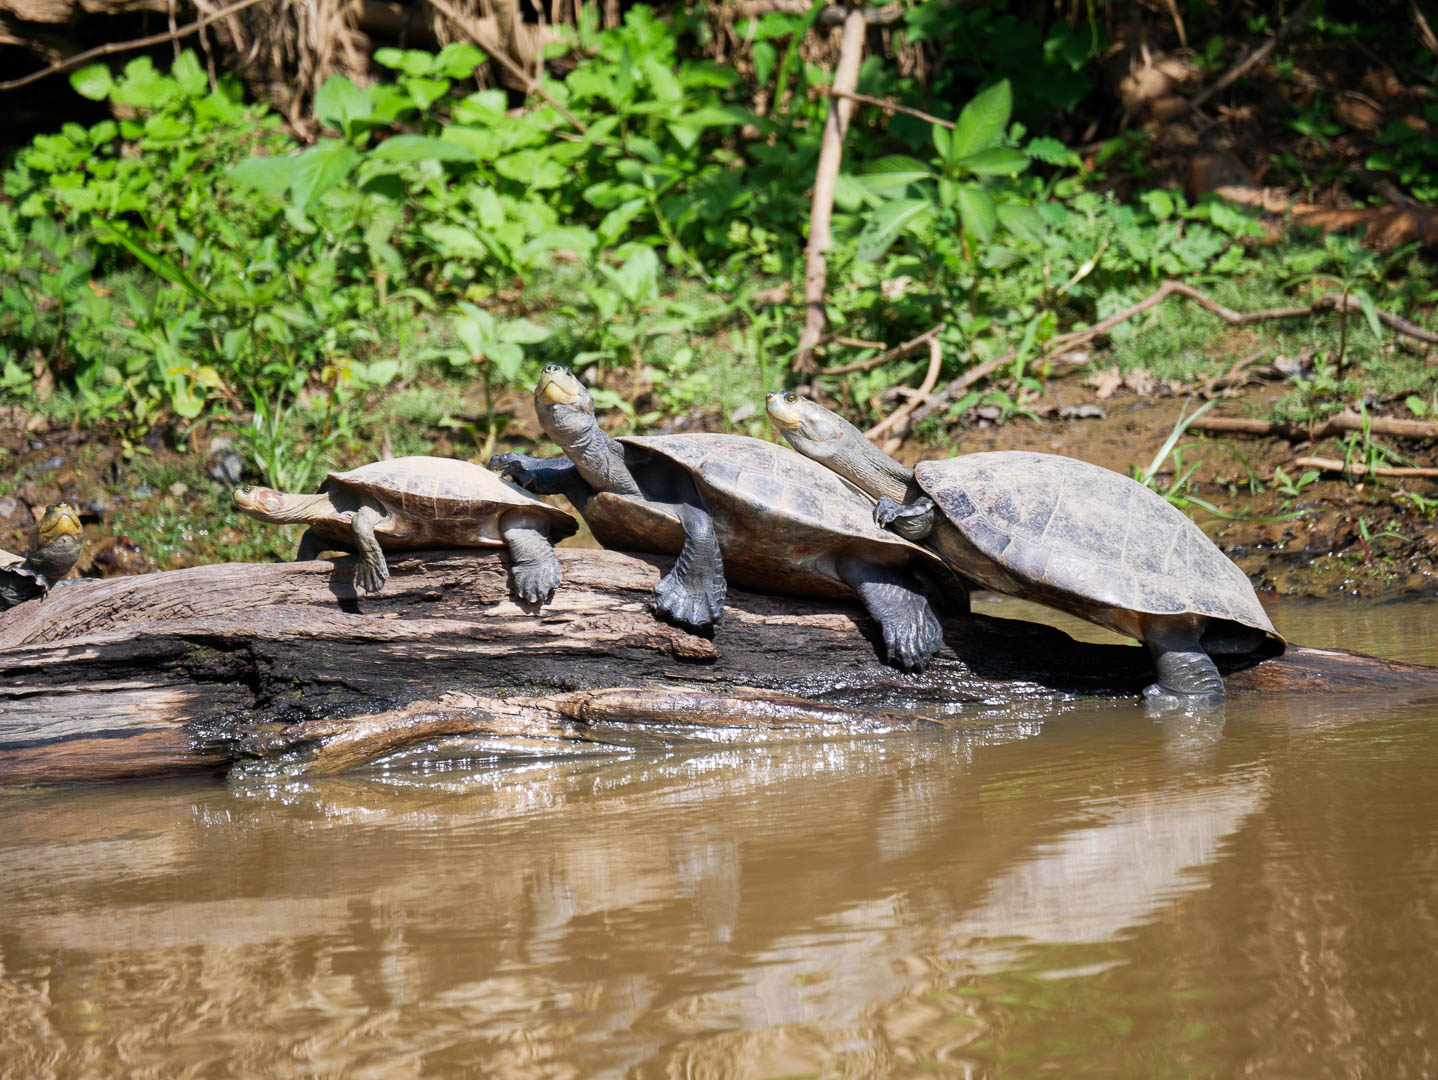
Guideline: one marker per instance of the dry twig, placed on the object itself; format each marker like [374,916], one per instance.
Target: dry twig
[900,416]
[1348,420]
[883,358]
[111,47]
[1355,468]
[1249,60]
[889,106]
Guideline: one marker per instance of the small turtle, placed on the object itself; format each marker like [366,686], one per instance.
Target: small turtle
[730,505]
[415,502]
[53,552]
[1074,536]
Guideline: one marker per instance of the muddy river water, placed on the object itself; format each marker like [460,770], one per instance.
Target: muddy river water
[1085,891]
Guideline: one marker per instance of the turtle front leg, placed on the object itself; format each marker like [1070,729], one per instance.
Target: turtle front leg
[543,476]
[692,594]
[913,521]
[533,568]
[1187,675]
[912,634]
[371,571]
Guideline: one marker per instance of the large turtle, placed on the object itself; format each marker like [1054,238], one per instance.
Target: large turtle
[1065,533]
[732,506]
[414,502]
[53,551]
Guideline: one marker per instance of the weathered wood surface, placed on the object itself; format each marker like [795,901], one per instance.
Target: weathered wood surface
[197,669]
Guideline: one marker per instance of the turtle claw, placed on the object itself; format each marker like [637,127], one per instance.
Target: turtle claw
[693,610]
[910,647]
[369,578]
[1160,700]
[886,510]
[535,580]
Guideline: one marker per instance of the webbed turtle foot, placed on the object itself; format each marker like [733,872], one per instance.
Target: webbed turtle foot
[512,467]
[370,578]
[911,645]
[536,579]
[1159,700]
[886,511]
[693,609]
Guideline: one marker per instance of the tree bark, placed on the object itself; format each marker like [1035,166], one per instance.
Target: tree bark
[282,665]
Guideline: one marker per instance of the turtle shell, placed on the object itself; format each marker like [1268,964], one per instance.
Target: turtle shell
[443,500]
[782,520]
[1088,540]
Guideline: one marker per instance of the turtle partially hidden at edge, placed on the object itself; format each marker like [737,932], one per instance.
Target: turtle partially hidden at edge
[731,505]
[53,552]
[415,502]
[1062,532]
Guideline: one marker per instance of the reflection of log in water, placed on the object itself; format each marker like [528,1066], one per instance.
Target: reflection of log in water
[193,669]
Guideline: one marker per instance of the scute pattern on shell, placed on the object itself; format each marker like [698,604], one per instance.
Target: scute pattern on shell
[444,489]
[775,483]
[1065,524]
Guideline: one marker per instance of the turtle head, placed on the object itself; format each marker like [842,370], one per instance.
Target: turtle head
[264,504]
[832,441]
[61,519]
[565,408]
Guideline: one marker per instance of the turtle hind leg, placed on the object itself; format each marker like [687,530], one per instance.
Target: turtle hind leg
[912,634]
[371,570]
[692,594]
[1187,675]
[533,568]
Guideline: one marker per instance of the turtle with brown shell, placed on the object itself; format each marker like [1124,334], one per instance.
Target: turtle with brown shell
[732,508]
[418,502]
[1065,533]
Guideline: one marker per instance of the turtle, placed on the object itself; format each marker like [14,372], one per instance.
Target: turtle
[1065,533]
[53,552]
[414,502]
[732,508]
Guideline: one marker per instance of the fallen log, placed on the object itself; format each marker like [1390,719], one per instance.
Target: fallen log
[283,664]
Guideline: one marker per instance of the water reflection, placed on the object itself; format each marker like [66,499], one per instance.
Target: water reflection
[1095,892]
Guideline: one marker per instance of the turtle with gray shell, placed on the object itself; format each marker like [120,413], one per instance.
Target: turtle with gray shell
[1062,532]
[419,502]
[732,508]
[53,552]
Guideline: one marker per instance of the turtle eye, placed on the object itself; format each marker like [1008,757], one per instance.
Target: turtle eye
[791,397]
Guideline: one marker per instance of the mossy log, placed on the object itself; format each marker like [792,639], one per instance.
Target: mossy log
[195,670]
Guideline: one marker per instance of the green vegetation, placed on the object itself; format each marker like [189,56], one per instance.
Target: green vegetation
[414,266]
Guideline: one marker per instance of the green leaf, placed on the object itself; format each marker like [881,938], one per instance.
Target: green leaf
[1023,221]
[1370,312]
[425,92]
[453,242]
[1052,152]
[977,209]
[93,82]
[457,60]
[523,332]
[886,226]
[535,168]
[187,72]
[891,175]
[996,161]
[272,175]
[617,221]
[982,121]
[1416,405]
[160,264]
[320,168]
[399,148]
[340,103]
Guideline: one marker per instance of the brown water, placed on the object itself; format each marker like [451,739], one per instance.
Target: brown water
[1091,892]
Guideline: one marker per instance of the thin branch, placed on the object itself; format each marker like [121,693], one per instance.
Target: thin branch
[1348,420]
[900,416]
[889,106]
[826,176]
[1248,61]
[893,354]
[1359,469]
[124,46]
